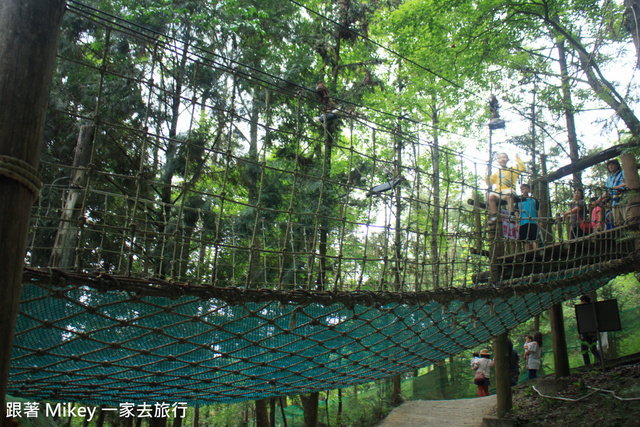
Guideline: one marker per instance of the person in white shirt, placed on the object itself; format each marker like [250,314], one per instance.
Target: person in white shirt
[483,372]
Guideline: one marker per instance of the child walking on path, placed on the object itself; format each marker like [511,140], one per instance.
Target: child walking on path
[483,372]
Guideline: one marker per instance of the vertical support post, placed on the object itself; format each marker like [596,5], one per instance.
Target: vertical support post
[28,40]
[632,182]
[560,224]
[560,354]
[478,222]
[503,374]
[544,196]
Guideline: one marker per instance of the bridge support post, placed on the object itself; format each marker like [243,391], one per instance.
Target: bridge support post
[632,182]
[558,338]
[28,42]
[503,373]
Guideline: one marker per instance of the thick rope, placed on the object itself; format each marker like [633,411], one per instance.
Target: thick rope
[21,171]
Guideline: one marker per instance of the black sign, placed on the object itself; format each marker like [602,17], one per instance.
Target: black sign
[602,316]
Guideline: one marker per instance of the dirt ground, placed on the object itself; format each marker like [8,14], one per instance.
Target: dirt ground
[450,413]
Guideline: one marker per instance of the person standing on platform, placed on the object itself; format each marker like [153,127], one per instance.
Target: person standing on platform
[577,212]
[596,217]
[527,213]
[504,180]
[615,186]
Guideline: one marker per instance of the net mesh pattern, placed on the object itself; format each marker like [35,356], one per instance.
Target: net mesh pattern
[82,343]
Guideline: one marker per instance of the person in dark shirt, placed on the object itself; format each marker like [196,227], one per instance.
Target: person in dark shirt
[514,363]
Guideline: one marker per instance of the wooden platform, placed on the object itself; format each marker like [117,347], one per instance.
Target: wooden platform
[591,249]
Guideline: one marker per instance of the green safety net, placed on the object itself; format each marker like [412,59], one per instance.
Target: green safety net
[83,343]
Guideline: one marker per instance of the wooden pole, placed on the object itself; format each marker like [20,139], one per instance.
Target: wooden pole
[28,40]
[587,162]
[544,196]
[503,373]
[632,183]
[560,354]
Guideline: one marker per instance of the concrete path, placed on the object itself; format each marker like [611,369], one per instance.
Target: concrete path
[449,413]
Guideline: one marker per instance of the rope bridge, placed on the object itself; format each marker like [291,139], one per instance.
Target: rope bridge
[219,238]
[96,343]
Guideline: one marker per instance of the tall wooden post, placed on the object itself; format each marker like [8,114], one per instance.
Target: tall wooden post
[560,354]
[544,196]
[503,373]
[28,40]
[632,182]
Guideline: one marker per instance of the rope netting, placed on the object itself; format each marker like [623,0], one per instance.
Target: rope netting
[221,237]
[97,344]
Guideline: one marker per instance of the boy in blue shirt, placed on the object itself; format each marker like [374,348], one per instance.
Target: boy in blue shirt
[527,212]
[615,186]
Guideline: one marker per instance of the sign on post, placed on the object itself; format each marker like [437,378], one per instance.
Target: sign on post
[600,316]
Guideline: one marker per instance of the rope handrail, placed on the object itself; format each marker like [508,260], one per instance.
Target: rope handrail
[163,288]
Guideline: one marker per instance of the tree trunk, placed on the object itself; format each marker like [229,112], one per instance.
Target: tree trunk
[62,254]
[632,24]
[272,411]
[397,386]
[196,416]
[310,407]
[28,40]
[283,404]
[326,202]
[567,105]
[601,86]
[158,422]
[253,178]
[101,416]
[560,354]
[435,216]
[262,413]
